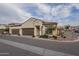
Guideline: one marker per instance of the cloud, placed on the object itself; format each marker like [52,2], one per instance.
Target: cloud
[43,8]
[12,13]
[75,5]
[58,13]
[54,13]
[61,13]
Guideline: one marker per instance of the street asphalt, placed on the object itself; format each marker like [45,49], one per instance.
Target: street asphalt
[7,50]
[71,48]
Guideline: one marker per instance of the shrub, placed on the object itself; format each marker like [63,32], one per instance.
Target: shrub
[18,34]
[55,37]
[44,36]
[63,36]
[33,36]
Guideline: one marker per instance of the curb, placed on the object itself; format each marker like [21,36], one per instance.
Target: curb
[57,40]
[36,38]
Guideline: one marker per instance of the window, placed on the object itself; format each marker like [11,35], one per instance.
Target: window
[48,29]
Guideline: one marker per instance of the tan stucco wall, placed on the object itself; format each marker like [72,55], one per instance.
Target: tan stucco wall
[43,30]
[17,27]
[55,32]
[2,27]
[10,29]
[31,23]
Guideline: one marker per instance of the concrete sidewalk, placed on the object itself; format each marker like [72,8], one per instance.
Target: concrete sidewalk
[47,39]
[34,49]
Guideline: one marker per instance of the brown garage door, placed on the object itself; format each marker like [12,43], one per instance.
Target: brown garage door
[1,31]
[28,31]
[15,31]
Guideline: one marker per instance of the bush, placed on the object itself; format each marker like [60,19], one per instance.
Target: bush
[76,31]
[33,36]
[44,36]
[55,37]
[63,36]
[18,34]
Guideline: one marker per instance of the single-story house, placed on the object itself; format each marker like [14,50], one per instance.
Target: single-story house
[34,27]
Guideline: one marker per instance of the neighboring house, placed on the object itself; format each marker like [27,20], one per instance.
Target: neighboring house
[34,27]
[3,28]
[13,24]
[74,27]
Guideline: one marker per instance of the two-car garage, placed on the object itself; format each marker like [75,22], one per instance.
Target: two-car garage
[27,28]
[25,31]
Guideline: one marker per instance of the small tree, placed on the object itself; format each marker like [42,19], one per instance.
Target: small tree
[50,28]
[67,27]
[49,31]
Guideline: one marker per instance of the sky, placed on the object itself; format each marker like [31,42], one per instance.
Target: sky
[62,13]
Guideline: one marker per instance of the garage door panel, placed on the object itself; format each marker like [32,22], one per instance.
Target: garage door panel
[28,31]
[1,31]
[15,31]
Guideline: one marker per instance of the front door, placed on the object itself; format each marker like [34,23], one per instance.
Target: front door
[37,30]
